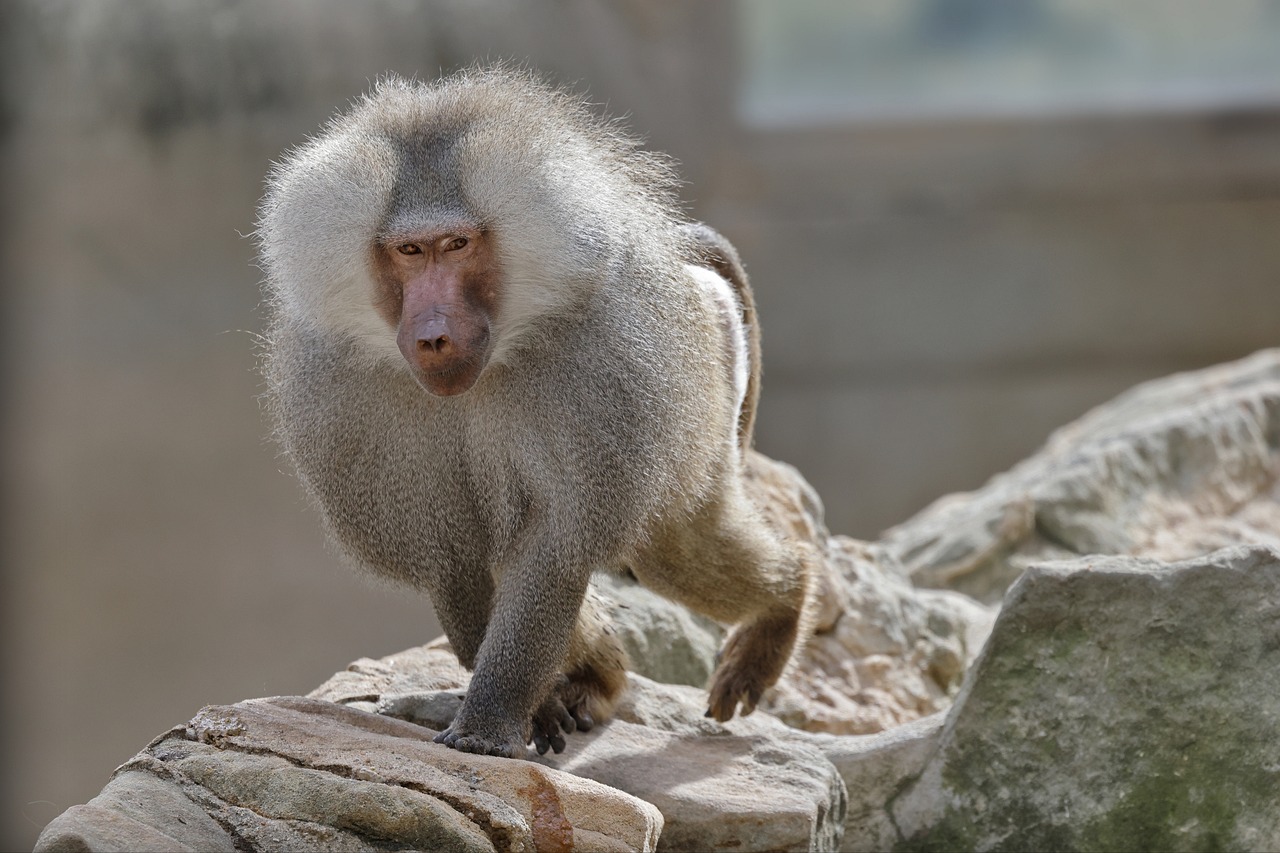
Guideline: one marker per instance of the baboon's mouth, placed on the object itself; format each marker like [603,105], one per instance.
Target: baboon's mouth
[455,380]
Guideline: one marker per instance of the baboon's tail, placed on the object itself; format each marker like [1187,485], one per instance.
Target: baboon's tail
[720,255]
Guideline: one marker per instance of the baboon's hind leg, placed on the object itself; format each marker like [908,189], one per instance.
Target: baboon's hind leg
[730,565]
[761,645]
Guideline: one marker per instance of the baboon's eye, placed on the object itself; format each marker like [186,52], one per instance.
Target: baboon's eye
[409,249]
[455,244]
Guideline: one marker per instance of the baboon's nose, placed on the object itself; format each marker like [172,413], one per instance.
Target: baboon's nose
[436,344]
[433,337]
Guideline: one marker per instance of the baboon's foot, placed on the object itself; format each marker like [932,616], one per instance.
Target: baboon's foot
[752,659]
[583,697]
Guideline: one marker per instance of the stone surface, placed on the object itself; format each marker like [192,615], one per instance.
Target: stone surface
[895,654]
[719,791]
[1171,469]
[1120,704]
[875,768]
[703,776]
[666,642]
[305,774]
[136,811]
[416,671]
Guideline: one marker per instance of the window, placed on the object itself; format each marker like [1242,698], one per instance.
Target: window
[824,62]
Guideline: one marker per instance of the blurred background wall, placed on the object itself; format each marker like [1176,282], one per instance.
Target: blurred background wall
[967,222]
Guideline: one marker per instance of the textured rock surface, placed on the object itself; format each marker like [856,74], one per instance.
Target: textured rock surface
[1173,468]
[666,642]
[1121,704]
[303,774]
[895,654]
[733,792]
[875,768]
[1123,700]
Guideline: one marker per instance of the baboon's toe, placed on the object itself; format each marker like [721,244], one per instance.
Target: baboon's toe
[729,688]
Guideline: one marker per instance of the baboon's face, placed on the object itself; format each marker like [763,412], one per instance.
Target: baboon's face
[438,290]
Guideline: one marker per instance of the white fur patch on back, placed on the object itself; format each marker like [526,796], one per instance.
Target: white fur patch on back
[722,295]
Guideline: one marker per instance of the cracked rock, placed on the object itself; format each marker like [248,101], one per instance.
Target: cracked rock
[304,774]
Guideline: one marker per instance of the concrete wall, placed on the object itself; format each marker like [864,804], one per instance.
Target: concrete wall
[935,299]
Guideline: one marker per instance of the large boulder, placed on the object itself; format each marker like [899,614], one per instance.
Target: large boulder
[1120,704]
[1171,469]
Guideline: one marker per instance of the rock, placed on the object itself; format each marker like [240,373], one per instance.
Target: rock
[874,769]
[413,672]
[1120,704]
[434,709]
[711,796]
[733,792]
[726,792]
[305,774]
[136,811]
[1172,469]
[681,710]
[896,653]
[705,777]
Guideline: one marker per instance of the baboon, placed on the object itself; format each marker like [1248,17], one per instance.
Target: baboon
[500,359]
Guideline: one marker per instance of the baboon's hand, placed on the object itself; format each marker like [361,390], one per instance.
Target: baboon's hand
[483,737]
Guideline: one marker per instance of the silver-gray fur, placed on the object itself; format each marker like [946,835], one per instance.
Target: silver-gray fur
[603,434]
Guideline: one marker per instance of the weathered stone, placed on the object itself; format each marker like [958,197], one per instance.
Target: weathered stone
[875,768]
[895,654]
[272,788]
[681,710]
[1120,704]
[872,767]
[135,811]
[303,774]
[1172,469]
[413,672]
[884,652]
[715,804]
[721,793]
[666,642]
[435,709]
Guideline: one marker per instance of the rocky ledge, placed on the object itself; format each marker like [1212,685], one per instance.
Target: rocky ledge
[1082,655]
